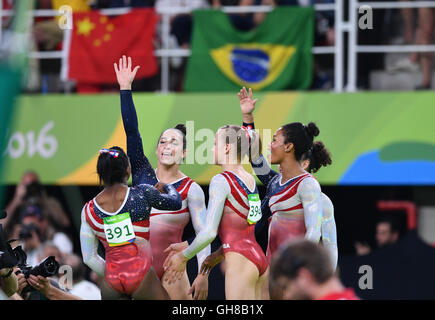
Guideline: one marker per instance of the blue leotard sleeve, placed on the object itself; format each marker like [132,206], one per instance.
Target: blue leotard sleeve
[171,200]
[142,171]
[265,214]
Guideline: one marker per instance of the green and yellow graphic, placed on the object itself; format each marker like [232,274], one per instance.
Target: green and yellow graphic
[374,138]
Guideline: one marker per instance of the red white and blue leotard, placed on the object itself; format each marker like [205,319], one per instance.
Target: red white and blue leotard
[166,226]
[125,266]
[227,212]
[295,207]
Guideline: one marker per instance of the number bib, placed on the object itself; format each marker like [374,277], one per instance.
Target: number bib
[119,230]
[254,214]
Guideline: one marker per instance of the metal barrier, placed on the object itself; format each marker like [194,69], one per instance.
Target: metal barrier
[165,53]
[354,48]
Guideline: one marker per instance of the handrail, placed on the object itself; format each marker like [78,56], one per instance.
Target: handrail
[165,52]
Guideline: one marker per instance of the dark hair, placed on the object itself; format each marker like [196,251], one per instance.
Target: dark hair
[318,156]
[112,169]
[302,254]
[301,136]
[180,127]
[393,222]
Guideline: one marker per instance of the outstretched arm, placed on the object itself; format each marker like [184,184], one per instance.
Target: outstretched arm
[89,245]
[171,200]
[198,214]
[310,195]
[142,170]
[218,191]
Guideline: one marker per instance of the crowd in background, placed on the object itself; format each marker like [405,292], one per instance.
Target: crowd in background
[415,27]
[44,76]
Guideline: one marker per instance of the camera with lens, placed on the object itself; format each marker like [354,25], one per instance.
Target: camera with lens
[34,190]
[27,230]
[47,268]
[7,256]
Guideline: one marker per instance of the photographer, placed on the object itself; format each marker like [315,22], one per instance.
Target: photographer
[34,283]
[35,231]
[31,192]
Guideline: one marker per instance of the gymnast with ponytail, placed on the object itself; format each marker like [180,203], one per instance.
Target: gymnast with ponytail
[293,197]
[118,218]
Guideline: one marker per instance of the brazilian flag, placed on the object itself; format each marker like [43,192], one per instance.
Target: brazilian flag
[276,55]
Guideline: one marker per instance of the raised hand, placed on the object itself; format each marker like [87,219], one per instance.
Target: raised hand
[247,105]
[124,74]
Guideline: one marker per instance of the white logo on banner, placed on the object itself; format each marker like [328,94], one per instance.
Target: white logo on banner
[42,143]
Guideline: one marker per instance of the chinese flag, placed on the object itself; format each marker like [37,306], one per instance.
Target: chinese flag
[98,41]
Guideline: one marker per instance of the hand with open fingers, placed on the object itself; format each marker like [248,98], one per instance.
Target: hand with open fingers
[40,283]
[173,249]
[247,104]
[199,287]
[211,261]
[175,267]
[124,74]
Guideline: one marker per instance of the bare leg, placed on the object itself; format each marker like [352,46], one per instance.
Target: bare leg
[407,16]
[415,56]
[150,288]
[241,277]
[263,286]
[426,25]
[107,293]
[178,290]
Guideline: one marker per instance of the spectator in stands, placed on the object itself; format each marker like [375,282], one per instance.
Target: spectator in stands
[423,36]
[408,24]
[81,287]
[37,235]
[425,33]
[302,270]
[30,192]
[181,24]
[387,234]
[30,234]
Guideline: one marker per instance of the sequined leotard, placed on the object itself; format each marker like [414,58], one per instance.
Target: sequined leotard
[125,265]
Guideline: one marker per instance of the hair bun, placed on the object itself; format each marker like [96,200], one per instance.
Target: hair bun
[181,127]
[312,129]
